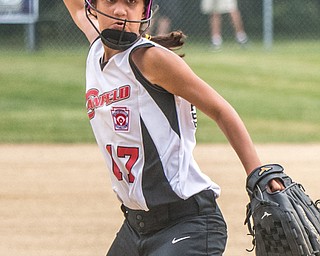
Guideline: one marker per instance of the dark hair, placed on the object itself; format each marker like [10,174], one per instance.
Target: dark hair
[172,41]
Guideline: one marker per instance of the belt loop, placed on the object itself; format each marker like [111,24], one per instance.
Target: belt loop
[124,210]
[206,201]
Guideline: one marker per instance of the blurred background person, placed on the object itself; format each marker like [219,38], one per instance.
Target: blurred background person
[169,10]
[216,8]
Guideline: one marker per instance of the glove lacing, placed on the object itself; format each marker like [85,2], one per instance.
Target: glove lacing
[247,221]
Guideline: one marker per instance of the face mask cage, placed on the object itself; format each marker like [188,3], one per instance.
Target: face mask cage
[120,39]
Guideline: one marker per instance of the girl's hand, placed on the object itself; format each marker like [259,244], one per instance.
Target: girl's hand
[275,185]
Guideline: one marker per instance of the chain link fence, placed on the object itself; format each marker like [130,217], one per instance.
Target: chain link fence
[293,20]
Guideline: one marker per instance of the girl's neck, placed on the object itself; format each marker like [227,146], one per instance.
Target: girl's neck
[108,53]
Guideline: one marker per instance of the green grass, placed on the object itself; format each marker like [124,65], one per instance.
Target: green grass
[277,93]
[42,98]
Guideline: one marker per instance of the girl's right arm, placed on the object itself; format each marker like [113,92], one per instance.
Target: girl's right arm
[77,11]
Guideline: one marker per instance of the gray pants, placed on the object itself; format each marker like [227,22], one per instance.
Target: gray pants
[198,230]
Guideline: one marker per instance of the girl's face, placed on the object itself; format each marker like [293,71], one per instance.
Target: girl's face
[123,9]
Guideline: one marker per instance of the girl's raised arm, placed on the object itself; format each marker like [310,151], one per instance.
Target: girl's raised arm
[77,11]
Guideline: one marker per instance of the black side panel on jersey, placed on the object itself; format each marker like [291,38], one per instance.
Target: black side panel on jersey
[162,98]
[155,186]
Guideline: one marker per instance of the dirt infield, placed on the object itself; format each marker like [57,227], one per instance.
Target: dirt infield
[56,200]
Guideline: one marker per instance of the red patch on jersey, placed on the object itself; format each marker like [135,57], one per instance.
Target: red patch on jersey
[120,116]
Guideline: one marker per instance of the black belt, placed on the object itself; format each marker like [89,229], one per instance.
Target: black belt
[159,217]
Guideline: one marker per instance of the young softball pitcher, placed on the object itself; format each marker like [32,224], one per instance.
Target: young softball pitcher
[141,99]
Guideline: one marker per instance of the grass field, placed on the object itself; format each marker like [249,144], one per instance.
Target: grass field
[276,93]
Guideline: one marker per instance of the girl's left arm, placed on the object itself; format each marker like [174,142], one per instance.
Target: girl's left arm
[168,70]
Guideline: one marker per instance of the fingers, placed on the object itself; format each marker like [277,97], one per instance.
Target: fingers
[276,185]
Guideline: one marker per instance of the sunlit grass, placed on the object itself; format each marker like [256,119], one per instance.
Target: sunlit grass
[276,92]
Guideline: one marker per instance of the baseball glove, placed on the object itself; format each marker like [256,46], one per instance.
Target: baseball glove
[282,223]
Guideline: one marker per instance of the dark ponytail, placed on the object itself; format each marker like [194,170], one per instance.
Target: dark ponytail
[172,41]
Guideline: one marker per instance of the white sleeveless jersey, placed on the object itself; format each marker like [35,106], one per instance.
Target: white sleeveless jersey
[146,134]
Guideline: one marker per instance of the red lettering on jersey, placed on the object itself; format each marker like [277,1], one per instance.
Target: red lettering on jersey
[91,97]
[124,92]
[94,100]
